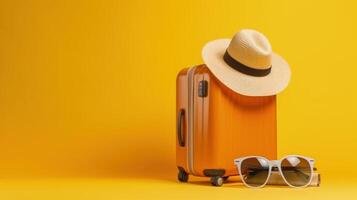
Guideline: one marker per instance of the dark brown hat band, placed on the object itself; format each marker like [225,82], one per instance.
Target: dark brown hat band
[243,68]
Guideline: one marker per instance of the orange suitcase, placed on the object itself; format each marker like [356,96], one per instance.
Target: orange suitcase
[216,125]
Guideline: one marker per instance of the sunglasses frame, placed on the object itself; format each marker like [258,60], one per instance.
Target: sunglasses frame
[275,163]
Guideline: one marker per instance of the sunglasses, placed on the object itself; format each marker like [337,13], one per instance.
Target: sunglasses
[297,171]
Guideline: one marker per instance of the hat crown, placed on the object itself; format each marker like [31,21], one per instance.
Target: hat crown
[251,48]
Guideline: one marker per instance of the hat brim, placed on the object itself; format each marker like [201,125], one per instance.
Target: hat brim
[276,81]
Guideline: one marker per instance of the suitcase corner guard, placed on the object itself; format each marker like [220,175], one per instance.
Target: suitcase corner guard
[214,172]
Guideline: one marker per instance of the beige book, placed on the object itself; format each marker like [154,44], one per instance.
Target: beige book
[276,179]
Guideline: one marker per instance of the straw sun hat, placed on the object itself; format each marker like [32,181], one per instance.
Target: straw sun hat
[246,64]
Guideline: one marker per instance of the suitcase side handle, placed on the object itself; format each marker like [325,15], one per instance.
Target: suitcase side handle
[180,120]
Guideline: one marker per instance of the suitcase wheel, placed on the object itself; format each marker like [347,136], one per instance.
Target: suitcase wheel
[182,176]
[217,180]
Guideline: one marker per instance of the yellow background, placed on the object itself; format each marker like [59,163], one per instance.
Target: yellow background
[87,93]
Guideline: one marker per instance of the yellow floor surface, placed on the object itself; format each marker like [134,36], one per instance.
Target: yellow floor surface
[131,188]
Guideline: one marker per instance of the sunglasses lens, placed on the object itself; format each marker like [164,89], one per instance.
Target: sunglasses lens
[296,170]
[255,171]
